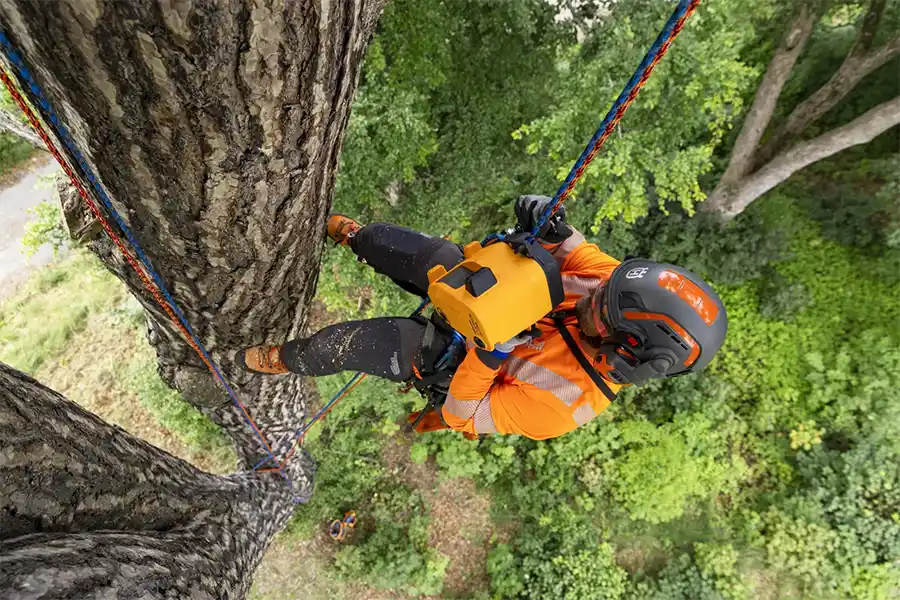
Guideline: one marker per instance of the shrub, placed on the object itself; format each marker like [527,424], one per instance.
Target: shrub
[662,468]
[559,556]
[45,228]
[681,579]
[393,551]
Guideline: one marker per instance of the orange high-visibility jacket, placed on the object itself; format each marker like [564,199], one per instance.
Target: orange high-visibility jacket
[539,391]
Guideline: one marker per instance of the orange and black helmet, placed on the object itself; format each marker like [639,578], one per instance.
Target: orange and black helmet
[661,320]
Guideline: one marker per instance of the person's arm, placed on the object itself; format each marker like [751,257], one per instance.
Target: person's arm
[575,255]
[478,403]
[579,257]
[469,395]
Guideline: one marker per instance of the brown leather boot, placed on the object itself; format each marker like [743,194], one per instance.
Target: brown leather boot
[341,229]
[262,359]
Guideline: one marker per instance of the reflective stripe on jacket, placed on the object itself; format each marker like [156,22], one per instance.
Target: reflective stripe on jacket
[540,391]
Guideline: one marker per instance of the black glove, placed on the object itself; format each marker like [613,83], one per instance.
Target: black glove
[530,208]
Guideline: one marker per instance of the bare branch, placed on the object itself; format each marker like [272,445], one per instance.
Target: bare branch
[868,29]
[857,65]
[732,201]
[760,113]
[11,124]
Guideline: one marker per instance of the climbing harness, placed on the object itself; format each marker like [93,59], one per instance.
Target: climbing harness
[152,281]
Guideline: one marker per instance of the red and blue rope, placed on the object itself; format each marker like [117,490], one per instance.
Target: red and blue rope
[671,29]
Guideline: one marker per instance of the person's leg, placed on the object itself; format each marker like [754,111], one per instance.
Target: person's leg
[387,347]
[404,255]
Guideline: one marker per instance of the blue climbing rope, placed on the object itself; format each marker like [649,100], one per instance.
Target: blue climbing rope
[671,29]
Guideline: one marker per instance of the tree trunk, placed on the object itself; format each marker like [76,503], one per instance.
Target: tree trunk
[89,511]
[11,124]
[215,127]
[741,161]
[859,131]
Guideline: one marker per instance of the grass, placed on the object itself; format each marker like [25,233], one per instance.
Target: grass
[38,322]
[75,328]
[171,411]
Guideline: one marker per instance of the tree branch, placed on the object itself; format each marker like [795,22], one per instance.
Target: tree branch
[9,123]
[767,94]
[868,29]
[859,131]
[857,65]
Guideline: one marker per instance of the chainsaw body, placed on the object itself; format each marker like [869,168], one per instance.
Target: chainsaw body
[497,291]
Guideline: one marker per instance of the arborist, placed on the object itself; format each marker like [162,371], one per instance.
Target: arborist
[621,323]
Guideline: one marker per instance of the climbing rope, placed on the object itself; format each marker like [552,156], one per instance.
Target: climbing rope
[155,285]
[659,48]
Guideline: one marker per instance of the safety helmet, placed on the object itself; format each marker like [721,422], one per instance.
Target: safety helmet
[662,321]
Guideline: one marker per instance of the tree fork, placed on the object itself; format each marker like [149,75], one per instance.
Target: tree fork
[860,130]
[766,98]
[860,61]
[88,509]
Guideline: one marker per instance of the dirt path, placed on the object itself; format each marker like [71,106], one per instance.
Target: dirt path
[15,201]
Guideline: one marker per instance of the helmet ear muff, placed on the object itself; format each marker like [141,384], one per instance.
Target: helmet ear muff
[628,369]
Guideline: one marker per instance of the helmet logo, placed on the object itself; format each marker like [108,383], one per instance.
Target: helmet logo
[636,273]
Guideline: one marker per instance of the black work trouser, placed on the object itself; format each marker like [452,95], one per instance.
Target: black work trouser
[388,347]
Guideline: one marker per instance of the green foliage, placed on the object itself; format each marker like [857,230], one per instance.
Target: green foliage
[45,228]
[170,409]
[797,546]
[728,254]
[781,299]
[394,552]
[13,150]
[661,469]
[37,322]
[347,446]
[719,563]
[556,559]
[859,205]
[389,548]
[667,140]
[681,579]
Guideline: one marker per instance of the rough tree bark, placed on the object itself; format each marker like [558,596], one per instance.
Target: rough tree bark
[11,124]
[215,126]
[90,511]
[754,169]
